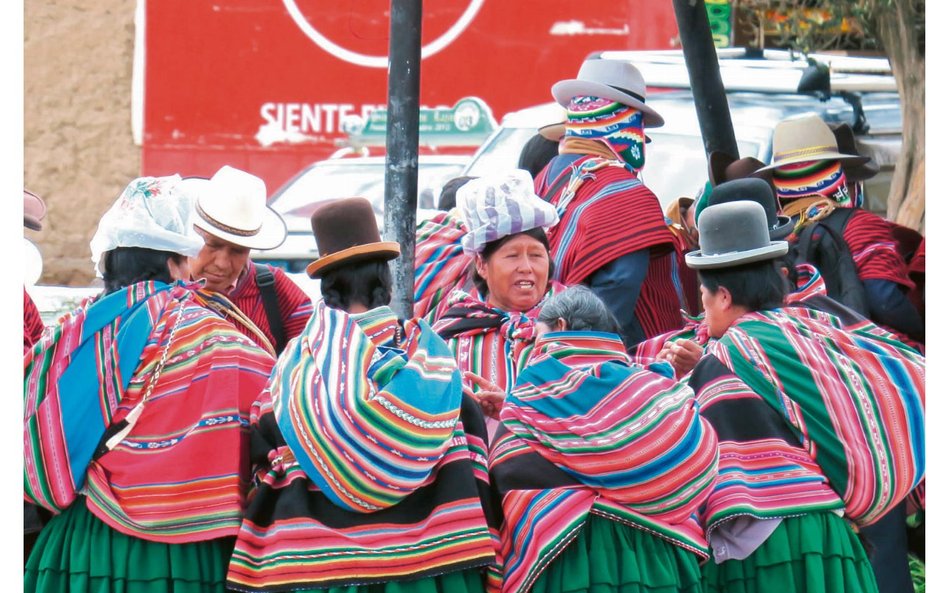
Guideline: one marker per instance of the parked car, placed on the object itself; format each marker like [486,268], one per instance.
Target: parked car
[675,161]
[342,178]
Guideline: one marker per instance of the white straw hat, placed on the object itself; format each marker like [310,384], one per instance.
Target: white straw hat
[232,205]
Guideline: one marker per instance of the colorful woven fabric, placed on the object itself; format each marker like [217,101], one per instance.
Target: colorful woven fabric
[854,400]
[812,178]
[606,212]
[32,322]
[486,341]
[874,249]
[180,475]
[294,304]
[587,432]
[617,125]
[71,392]
[440,262]
[367,422]
[370,467]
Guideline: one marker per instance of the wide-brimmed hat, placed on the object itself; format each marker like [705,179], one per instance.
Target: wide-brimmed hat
[34,210]
[232,205]
[755,190]
[347,233]
[609,79]
[724,167]
[846,141]
[806,138]
[497,206]
[733,234]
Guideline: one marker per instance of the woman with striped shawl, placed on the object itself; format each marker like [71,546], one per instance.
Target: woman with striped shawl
[370,466]
[820,426]
[491,331]
[601,464]
[136,415]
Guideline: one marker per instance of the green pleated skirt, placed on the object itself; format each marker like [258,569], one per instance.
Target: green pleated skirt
[464,581]
[78,553]
[814,553]
[608,557]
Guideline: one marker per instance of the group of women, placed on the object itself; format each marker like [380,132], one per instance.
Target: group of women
[511,446]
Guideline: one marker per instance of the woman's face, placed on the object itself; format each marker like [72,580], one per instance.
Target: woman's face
[718,312]
[516,274]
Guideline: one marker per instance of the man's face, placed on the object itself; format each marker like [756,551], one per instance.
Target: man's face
[219,262]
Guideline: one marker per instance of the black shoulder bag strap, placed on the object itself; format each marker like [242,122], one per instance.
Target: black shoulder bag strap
[267,285]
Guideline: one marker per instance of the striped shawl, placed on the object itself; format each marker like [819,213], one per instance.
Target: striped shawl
[180,475]
[587,432]
[440,263]
[370,467]
[854,400]
[607,212]
[487,341]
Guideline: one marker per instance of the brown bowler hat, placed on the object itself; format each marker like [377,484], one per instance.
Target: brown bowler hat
[34,209]
[846,141]
[346,233]
[723,167]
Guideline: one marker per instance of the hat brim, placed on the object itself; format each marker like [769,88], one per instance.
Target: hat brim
[384,250]
[565,90]
[31,222]
[848,160]
[271,235]
[784,228]
[860,172]
[698,261]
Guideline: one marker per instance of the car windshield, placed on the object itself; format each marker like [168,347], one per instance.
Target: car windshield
[675,164]
[327,181]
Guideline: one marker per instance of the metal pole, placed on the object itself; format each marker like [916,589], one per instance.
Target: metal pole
[714,117]
[401,146]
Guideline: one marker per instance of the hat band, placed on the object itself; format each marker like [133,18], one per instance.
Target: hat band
[223,227]
[627,92]
[782,156]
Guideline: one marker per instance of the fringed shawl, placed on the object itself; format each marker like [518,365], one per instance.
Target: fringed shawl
[855,398]
[367,420]
[585,431]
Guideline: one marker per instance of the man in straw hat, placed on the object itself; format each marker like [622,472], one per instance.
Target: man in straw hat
[809,173]
[612,234]
[819,426]
[368,433]
[232,216]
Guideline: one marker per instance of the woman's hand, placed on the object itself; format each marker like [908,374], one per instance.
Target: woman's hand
[682,354]
[490,397]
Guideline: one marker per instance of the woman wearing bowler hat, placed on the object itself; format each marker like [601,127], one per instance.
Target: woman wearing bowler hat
[820,428]
[363,444]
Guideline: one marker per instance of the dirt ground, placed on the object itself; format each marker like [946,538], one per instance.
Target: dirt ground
[78,152]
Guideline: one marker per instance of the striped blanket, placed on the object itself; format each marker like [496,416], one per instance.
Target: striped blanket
[587,432]
[370,466]
[440,263]
[607,212]
[169,479]
[853,400]
[489,342]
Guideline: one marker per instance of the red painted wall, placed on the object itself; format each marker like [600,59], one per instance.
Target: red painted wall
[240,82]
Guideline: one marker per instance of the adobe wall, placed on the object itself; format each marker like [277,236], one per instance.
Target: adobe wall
[78,149]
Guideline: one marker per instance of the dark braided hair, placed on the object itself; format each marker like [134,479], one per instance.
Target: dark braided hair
[124,266]
[368,283]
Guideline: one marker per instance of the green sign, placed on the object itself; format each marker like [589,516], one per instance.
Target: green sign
[468,123]
[719,16]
